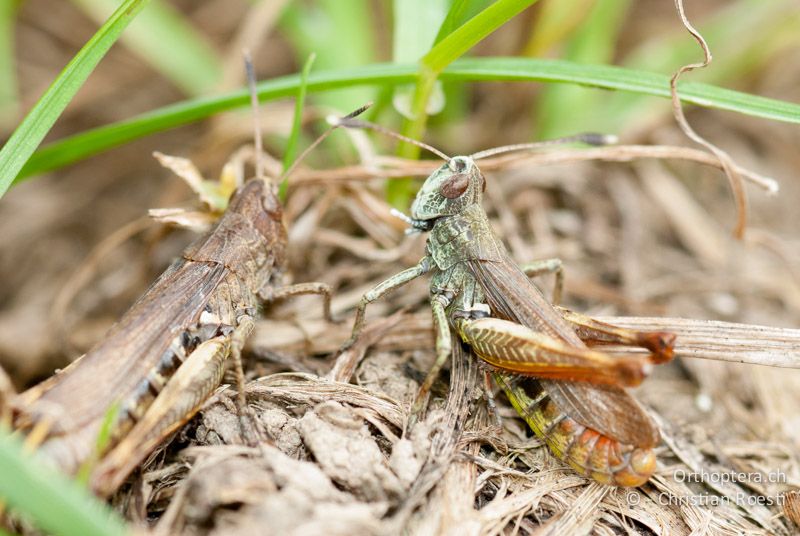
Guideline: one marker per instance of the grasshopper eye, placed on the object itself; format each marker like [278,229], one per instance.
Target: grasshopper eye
[455,186]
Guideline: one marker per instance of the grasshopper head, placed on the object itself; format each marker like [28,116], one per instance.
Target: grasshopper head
[448,191]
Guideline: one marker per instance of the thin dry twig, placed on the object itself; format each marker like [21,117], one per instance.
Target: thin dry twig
[699,339]
[393,167]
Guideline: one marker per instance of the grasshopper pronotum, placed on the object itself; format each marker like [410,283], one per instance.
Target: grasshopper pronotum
[167,354]
[571,395]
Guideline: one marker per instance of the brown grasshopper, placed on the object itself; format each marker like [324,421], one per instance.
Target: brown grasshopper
[571,395]
[167,354]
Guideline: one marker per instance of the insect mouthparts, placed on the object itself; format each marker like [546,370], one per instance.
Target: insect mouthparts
[416,226]
[457,164]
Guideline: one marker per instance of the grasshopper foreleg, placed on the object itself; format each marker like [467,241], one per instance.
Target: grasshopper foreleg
[512,347]
[381,289]
[548,266]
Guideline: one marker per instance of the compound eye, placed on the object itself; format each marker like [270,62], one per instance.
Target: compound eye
[455,186]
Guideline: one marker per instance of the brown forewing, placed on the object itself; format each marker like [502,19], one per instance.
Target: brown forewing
[609,410]
[116,366]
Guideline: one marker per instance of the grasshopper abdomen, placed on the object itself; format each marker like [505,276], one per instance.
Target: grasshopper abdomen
[589,452]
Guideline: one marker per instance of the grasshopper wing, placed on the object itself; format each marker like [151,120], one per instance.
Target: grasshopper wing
[609,410]
[132,347]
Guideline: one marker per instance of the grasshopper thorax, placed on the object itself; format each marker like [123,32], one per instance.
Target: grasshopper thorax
[448,191]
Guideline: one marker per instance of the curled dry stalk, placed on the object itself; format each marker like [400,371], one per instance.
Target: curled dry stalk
[728,166]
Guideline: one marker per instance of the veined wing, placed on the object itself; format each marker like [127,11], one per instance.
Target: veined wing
[609,410]
[116,366]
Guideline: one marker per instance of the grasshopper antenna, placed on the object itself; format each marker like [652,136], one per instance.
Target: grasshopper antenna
[350,122]
[324,135]
[257,141]
[588,138]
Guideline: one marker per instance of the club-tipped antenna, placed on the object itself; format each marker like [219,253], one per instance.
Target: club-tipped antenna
[350,122]
[257,141]
[354,113]
[588,138]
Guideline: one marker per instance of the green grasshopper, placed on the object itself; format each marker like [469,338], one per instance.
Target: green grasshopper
[571,396]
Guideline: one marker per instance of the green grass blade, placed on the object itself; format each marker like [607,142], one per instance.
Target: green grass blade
[291,144]
[342,35]
[460,12]
[472,32]
[104,437]
[168,42]
[560,107]
[416,25]
[9,100]
[29,134]
[80,146]
[50,500]
[443,53]
[449,49]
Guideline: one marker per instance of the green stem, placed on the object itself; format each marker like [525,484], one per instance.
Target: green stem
[490,69]
[443,53]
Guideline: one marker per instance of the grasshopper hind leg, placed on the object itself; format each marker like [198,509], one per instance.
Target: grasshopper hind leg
[660,344]
[516,348]
[593,332]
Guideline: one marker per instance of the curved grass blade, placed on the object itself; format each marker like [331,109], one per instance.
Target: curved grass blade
[191,62]
[90,142]
[291,144]
[9,99]
[594,41]
[446,51]
[342,33]
[51,501]
[30,133]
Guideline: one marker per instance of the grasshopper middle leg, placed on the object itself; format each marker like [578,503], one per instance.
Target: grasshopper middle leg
[443,349]
[268,294]
[548,266]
